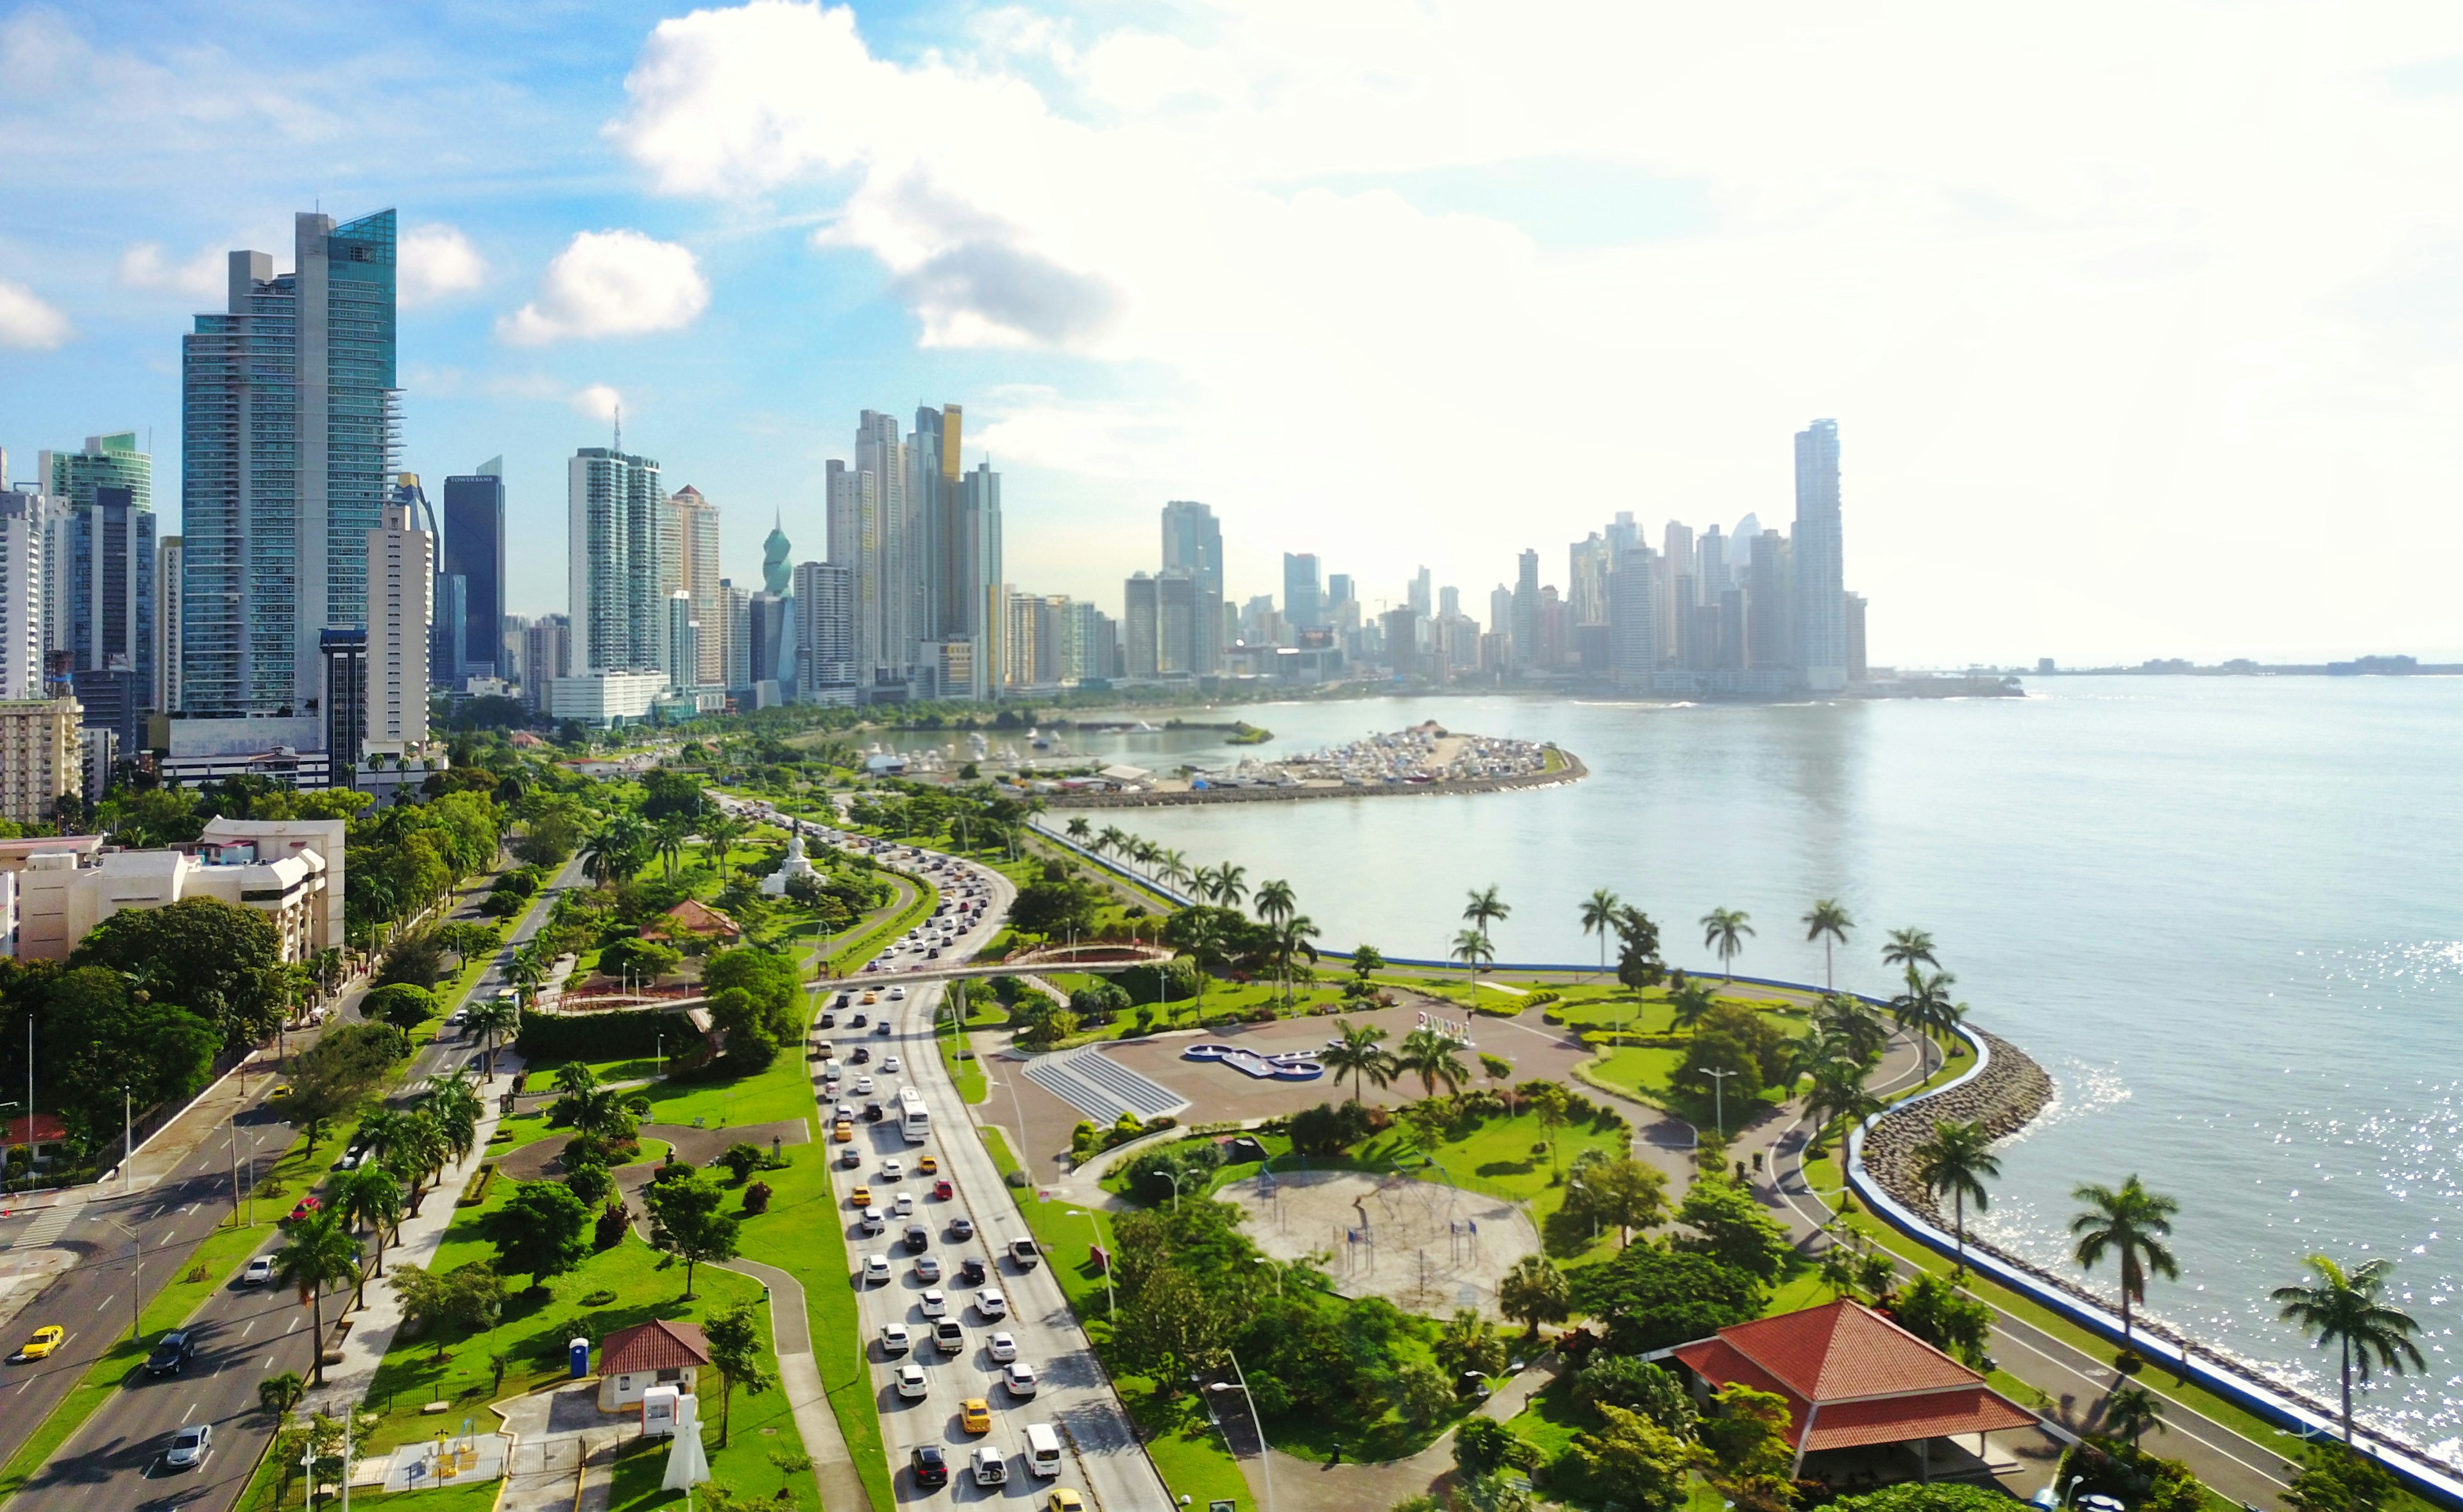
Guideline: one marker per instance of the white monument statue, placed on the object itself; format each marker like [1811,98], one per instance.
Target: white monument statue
[794,866]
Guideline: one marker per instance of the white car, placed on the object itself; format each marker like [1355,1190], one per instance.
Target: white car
[992,1466]
[863,1087]
[895,1340]
[905,1206]
[1020,1377]
[889,1066]
[876,1269]
[898,994]
[992,1304]
[913,1383]
[1004,1347]
[893,1170]
[189,1447]
[872,1222]
[935,1304]
[259,1273]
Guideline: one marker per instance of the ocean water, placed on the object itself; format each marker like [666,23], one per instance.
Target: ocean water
[2227,913]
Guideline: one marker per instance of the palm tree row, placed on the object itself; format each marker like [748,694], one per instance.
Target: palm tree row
[1358,1052]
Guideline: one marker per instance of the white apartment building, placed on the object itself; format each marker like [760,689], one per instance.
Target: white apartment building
[41,757]
[402,586]
[291,870]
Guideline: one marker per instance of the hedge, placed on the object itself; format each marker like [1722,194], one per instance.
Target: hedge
[600,1036]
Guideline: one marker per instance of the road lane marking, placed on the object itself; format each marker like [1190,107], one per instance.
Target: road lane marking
[251,1328]
[190,1413]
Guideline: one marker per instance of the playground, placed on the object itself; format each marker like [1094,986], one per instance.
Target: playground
[1425,1245]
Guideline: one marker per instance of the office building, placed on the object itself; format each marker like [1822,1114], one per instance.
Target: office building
[547,654]
[1587,564]
[824,609]
[1303,605]
[1139,611]
[938,540]
[1417,595]
[1523,625]
[692,529]
[106,462]
[102,576]
[447,648]
[22,564]
[1679,591]
[289,870]
[167,567]
[342,734]
[683,662]
[1856,663]
[612,563]
[881,455]
[988,595]
[475,551]
[1192,543]
[512,630]
[735,631]
[1769,637]
[1448,602]
[855,543]
[602,699]
[1633,621]
[401,568]
[1818,561]
[772,631]
[288,434]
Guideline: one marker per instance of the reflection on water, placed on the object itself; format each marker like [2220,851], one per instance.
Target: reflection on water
[2222,910]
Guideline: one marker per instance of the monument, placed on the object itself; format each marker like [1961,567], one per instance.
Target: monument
[791,868]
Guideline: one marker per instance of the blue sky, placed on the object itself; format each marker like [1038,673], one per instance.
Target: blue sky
[2118,320]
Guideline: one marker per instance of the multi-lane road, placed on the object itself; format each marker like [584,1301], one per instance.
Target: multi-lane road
[243,1334]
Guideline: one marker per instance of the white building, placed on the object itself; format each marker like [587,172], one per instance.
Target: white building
[23,584]
[41,757]
[289,870]
[402,580]
[602,699]
[167,558]
[683,660]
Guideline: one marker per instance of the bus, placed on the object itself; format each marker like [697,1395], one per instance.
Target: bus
[912,1117]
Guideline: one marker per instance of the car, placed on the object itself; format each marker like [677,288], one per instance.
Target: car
[860,1019]
[934,1302]
[895,1340]
[860,1055]
[189,1447]
[950,1337]
[876,1269]
[963,1227]
[862,1196]
[851,1157]
[930,1468]
[928,1165]
[934,954]
[843,998]
[869,999]
[882,1027]
[1004,1348]
[843,1132]
[927,1267]
[913,1383]
[281,1090]
[992,1304]
[905,1206]
[843,1112]
[872,1113]
[1020,1377]
[829,1021]
[889,1065]
[258,1272]
[919,1239]
[975,1415]
[893,1169]
[863,1087]
[40,1344]
[172,1353]
[943,1191]
[992,1466]
[898,994]
[971,1271]
[872,1224]
[303,1207]
[1063,1499]
[1023,1253]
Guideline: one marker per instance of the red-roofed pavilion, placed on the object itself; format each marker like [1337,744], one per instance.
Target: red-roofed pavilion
[1852,1379]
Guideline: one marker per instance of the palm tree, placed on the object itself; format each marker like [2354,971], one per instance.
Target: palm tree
[1952,1162]
[1078,829]
[1203,938]
[368,1198]
[1838,1093]
[2132,1409]
[1274,901]
[1473,949]
[1533,1292]
[2129,1224]
[669,836]
[320,1253]
[1925,1006]
[2342,1309]
[1231,885]
[455,1106]
[1724,930]
[576,1076]
[1292,937]
[1844,1020]
[1828,922]
[722,831]
[1910,947]
[1692,1003]
[1112,839]
[610,855]
[1172,867]
[1599,918]
[1485,909]
[1355,1053]
[1432,1058]
[492,1021]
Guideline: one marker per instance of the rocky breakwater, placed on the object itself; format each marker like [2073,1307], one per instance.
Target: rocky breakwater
[2004,1098]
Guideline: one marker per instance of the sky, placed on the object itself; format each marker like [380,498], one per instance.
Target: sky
[2143,326]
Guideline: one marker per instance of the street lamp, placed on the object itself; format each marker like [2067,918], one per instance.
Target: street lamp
[1718,1099]
[1265,1455]
[1278,1272]
[1175,1178]
[1109,1301]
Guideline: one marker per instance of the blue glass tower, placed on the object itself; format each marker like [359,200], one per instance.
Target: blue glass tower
[290,418]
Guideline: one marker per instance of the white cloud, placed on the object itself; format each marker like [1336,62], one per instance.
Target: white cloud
[27,322]
[611,284]
[597,401]
[2154,276]
[435,263]
[203,276]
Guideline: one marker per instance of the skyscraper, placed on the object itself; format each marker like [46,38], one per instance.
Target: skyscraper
[980,517]
[105,595]
[1192,543]
[613,503]
[825,629]
[735,626]
[1633,621]
[694,528]
[1417,596]
[400,559]
[1819,551]
[21,594]
[1141,612]
[475,551]
[107,462]
[1587,564]
[881,454]
[1769,638]
[547,654]
[855,543]
[1302,599]
[682,662]
[287,431]
[1525,624]
[167,567]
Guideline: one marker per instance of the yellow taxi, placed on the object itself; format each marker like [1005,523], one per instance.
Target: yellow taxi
[1064,1499]
[872,997]
[281,1090]
[844,1132]
[975,1415]
[929,1165]
[47,1338]
[862,1196]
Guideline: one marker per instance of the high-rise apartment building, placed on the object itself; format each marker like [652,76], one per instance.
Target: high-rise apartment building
[107,462]
[1179,628]
[693,522]
[1524,625]
[853,496]
[1679,589]
[1140,614]
[1087,639]
[612,563]
[980,517]
[1856,663]
[1192,543]
[1633,621]
[401,585]
[101,556]
[736,627]
[1417,595]
[547,654]
[1303,599]
[881,456]
[1769,619]
[22,562]
[40,754]
[772,630]
[168,565]
[475,551]
[287,433]
[682,662]
[825,632]
[1819,551]
[1587,564]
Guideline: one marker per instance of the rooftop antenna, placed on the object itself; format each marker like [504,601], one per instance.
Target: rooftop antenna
[619,428]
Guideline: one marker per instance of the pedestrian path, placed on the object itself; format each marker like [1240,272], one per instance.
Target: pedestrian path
[51,1221]
[800,1377]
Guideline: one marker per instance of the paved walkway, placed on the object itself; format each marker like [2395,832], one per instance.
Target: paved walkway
[800,1377]
[1348,1486]
[563,1447]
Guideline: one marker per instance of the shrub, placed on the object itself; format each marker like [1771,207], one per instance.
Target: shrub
[1329,1128]
[756,1197]
[475,1190]
[613,1219]
[742,1160]
[400,1005]
[591,1183]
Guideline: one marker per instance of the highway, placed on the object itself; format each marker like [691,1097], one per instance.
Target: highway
[243,1335]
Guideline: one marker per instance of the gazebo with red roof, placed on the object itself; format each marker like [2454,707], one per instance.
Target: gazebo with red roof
[1851,1378]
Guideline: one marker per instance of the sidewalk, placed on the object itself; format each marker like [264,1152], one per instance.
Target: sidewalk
[800,1377]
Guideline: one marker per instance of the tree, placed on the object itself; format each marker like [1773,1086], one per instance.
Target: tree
[643,961]
[1434,1058]
[1420,1395]
[1638,962]
[1827,921]
[688,1222]
[200,954]
[1925,1008]
[493,1021]
[1469,1343]
[1690,1004]
[1651,1297]
[1485,910]
[1549,1103]
[1274,901]
[1724,931]
[1483,1444]
[542,1231]
[1631,1461]
[1838,1093]
[2333,1478]
[320,1253]
[1910,947]
[1748,1439]
[736,1351]
[277,1394]
[102,1043]
[1599,918]
[1170,1328]
[1471,948]
[1945,1317]
[1618,1191]
[367,1199]
[2129,1224]
[2343,1308]
[1292,938]
[1533,1292]
[741,1159]
[400,1005]
[1953,1162]
[614,852]
[1638,1386]
[2131,1410]
[1732,1227]
[668,836]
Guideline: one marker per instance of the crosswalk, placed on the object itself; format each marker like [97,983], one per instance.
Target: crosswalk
[48,1225]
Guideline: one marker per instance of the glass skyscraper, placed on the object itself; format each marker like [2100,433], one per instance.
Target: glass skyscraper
[475,551]
[290,419]
[1819,560]
[107,461]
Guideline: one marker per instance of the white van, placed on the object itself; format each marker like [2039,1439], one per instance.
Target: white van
[1042,1450]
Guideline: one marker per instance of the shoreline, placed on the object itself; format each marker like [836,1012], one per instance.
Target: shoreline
[1573,771]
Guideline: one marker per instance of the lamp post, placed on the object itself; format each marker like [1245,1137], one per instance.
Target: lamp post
[1278,1272]
[1718,1099]
[1175,1178]
[1265,1456]
[1109,1301]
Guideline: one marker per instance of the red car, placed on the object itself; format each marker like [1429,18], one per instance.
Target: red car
[943,1191]
[307,1205]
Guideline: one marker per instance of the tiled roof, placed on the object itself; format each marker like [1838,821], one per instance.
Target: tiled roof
[656,1346]
[1853,1377]
[700,918]
[1901,1419]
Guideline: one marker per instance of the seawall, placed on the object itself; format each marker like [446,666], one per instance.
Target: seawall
[2005,1097]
